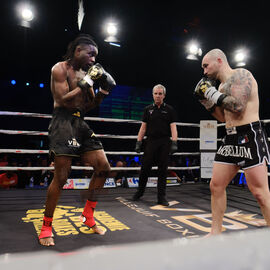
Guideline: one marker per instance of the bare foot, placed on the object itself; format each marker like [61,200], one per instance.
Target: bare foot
[47,241]
[98,230]
[89,223]
[210,235]
[207,235]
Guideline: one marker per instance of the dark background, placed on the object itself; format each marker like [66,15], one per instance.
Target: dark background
[153,38]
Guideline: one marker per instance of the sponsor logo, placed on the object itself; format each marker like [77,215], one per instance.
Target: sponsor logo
[66,221]
[83,183]
[235,151]
[208,125]
[78,114]
[192,222]
[73,143]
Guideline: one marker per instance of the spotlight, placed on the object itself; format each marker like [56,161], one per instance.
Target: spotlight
[41,85]
[27,14]
[115,44]
[193,51]
[27,84]
[111,31]
[240,57]
[13,82]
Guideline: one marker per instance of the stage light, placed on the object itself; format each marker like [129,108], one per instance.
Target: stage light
[240,57]
[193,51]
[27,84]
[41,85]
[115,44]
[111,30]
[13,82]
[27,14]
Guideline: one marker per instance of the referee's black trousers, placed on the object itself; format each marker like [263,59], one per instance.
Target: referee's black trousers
[156,152]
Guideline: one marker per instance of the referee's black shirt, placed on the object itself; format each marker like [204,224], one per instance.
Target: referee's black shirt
[158,120]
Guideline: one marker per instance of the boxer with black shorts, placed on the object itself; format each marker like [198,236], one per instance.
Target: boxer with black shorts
[69,135]
[245,145]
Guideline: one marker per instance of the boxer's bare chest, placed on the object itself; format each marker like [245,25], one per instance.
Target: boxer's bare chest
[73,77]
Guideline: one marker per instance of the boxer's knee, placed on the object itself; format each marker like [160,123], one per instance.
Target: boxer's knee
[60,177]
[261,199]
[216,188]
[103,170]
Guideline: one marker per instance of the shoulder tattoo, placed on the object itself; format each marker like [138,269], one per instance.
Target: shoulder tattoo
[238,89]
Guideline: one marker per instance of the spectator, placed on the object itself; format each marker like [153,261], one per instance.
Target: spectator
[118,175]
[8,179]
[46,176]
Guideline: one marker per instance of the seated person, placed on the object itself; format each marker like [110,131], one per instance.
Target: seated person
[8,179]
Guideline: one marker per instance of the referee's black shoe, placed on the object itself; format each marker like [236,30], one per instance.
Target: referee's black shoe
[163,202]
[137,196]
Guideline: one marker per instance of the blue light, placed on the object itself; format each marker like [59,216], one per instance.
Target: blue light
[13,82]
[41,85]
[27,84]
[136,159]
[242,179]
[115,44]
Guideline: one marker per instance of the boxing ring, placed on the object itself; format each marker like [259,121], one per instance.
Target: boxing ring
[153,236]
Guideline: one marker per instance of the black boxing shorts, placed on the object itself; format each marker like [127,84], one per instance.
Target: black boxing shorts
[245,146]
[69,134]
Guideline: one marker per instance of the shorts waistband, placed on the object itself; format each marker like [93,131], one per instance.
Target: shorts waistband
[247,127]
[63,111]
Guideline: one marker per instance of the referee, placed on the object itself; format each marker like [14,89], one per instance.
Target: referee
[158,124]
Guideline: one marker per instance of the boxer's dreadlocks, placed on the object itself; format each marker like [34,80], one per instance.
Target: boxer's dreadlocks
[81,39]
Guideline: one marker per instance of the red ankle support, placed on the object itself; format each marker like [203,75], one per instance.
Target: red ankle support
[88,213]
[46,229]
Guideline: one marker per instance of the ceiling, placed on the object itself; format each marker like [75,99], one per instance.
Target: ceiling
[153,38]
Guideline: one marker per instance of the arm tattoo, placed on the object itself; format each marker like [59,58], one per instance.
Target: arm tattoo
[238,90]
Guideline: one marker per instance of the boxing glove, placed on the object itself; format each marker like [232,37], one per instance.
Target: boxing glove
[96,73]
[205,88]
[103,78]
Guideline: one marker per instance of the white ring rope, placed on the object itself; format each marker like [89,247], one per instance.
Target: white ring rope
[8,168]
[45,133]
[30,151]
[106,136]
[40,115]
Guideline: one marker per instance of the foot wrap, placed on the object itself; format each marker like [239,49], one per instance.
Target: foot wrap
[87,216]
[46,229]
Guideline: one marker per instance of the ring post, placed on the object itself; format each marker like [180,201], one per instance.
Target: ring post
[208,147]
